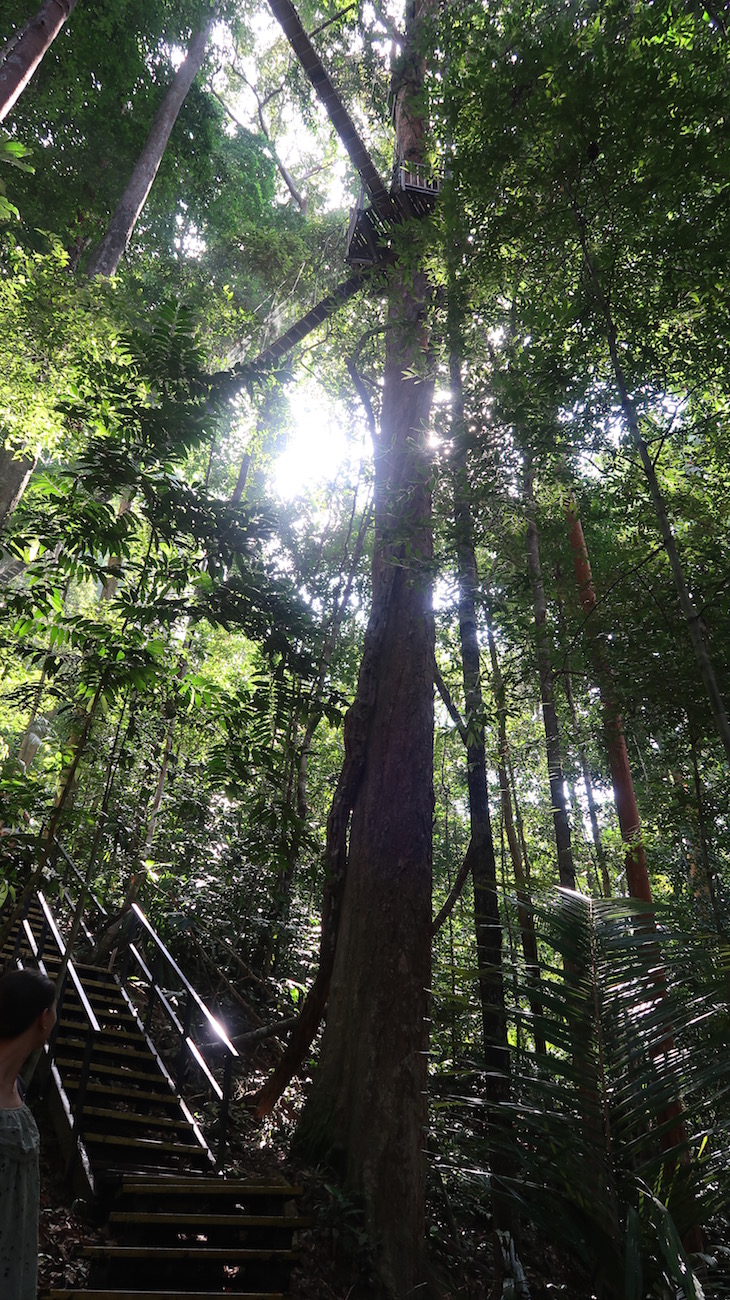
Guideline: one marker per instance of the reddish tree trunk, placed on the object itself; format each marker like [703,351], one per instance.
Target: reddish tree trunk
[107,255]
[637,876]
[29,49]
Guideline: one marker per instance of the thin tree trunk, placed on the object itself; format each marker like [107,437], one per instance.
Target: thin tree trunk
[605,883]
[702,826]
[488,927]
[566,870]
[519,860]
[637,876]
[15,475]
[114,568]
[159,791]
[487,922]
[68,779]
[25,53]
[107,255]
[238,491]
[32,741]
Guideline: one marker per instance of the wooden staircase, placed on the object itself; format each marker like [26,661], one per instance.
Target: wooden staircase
[174,1228]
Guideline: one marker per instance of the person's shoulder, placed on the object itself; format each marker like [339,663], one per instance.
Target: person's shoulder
[21,1088]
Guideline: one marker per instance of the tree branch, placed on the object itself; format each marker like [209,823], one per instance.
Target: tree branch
[330,21]
[391,28]
[362,392]
[452,710]
[299,198]
[454,892]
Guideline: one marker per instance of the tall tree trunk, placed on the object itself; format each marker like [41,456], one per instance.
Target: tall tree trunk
[520,865]
[15,474]
[107,255]
[366,1111]
[367,1104]
[483,866]
[487,923]
[566,869]
[26,52]
[637,876]
[166,751]
[709,889]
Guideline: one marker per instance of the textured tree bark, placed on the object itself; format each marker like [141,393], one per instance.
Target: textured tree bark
[15,475]
[637,876]
[487,922]
[25,54]
[106,257]
[366,1112]
[520,866]
[566,870]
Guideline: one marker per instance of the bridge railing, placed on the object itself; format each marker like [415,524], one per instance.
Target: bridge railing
[156,986]
[34,938]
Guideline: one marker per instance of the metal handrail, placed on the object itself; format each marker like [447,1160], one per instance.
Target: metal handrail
[71,867]
[417,176]
[189,1051]
[92,1027]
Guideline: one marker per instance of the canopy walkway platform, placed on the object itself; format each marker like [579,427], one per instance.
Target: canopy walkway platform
[130,1045]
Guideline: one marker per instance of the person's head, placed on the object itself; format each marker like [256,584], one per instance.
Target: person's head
[27,1001]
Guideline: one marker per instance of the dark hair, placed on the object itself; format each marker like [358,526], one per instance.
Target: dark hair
[24,995]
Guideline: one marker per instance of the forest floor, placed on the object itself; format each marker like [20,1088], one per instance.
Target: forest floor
[335,1259]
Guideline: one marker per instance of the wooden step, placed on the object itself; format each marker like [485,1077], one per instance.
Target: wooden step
[108,1032]
[202,1221]
[103,1046]
[206,1187]
[231,1255]
[179,1148]
[117,1072]
[166,1098]
[132,1117]
[212,1220]
[104,1010]
[167,1294]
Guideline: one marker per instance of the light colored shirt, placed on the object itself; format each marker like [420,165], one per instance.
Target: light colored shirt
[19,1198]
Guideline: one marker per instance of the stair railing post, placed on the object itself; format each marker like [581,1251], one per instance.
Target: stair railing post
[50,1055]
[43,938]
[224,1111]
[21,932]
[182,1056]
[157,970]
[78,1111]
[133,924]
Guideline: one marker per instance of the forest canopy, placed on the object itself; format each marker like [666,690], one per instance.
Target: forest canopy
[428,748]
